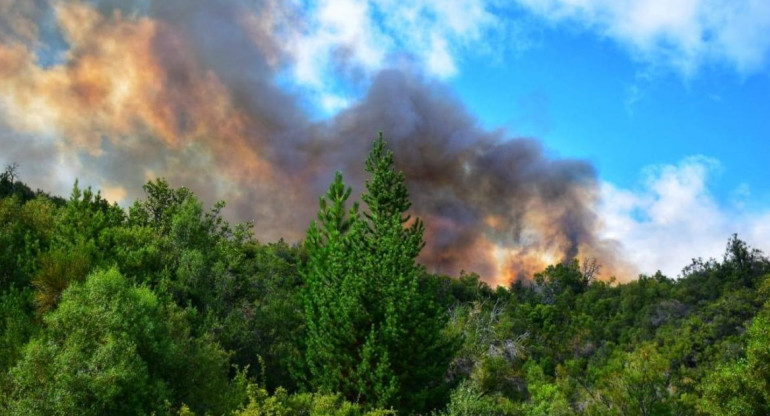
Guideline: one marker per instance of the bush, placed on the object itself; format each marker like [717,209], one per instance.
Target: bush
[112,348]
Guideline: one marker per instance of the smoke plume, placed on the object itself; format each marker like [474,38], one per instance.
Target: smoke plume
[192,91]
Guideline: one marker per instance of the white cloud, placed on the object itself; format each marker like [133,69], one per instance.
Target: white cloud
[341,29]
[331,103]
[673,217]
[684,34]
[362,36]
[355,38]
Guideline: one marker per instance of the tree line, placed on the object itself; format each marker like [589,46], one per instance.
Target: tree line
[166,308]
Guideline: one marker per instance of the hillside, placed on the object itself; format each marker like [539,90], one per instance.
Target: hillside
[166,308]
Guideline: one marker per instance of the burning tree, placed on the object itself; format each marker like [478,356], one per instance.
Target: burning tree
[372,335]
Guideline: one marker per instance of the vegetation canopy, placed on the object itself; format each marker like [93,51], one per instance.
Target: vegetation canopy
[166,308]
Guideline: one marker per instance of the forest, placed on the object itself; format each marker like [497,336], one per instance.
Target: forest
[166,308]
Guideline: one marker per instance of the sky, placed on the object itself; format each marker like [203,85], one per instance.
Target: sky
[681,146]
[670,103]
[665,102]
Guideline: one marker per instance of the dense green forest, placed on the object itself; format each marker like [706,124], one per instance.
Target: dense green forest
[166,308]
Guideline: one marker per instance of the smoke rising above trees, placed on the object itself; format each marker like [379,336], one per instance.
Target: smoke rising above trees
[193,92]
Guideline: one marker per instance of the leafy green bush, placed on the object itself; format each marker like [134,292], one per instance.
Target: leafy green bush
[283,404]
[112,348]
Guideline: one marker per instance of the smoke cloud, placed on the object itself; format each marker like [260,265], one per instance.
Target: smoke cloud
[192,91]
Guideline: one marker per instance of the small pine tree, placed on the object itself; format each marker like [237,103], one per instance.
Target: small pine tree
[330,302]
[372,335]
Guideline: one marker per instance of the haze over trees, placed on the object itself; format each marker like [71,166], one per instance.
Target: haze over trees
[165,308]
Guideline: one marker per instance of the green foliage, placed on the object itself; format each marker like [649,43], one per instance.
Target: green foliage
[17,325]
[241,292]
[26,231]
[743,387]
[643,347]
[157,211]
[729,390]
[111,348]
[466,400]
[546,397]
[491,357]
[57,269]
[259,311]
[741,267]
[638,383]
[367,322]
[283,404]
[85,222]
[168,309]
[79,242]
[329,298]
[563,277]
[10,186]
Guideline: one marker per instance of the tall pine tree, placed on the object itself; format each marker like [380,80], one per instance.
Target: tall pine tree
[372,334]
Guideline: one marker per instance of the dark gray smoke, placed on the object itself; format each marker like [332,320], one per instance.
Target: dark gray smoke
[474,188]
[196,99]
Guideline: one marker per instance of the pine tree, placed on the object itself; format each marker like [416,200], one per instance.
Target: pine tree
[372,335]
[337,323]
[419,352]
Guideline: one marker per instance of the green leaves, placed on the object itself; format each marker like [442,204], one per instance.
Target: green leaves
[58,269]
[16,325]
[370,334]
[104,311]
[387,195]
[743,387]
[112,348]
[281,403]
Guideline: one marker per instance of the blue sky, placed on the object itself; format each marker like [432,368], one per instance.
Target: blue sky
[585,97]
[622,84]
